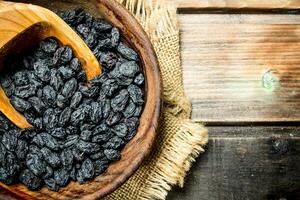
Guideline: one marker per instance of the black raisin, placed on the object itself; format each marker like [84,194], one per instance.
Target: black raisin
[101,25]
[61,177]
[2,155]
[100,166]
[49,95]
[102,138]
[48,173]
[88,147]
[35,164]
[114,143]
[110,87]
[97,156]
[139,79]
[59,133]
[30,180]
[66,158]
[49,45]
[37,104]
[81,76]
[51,184]
[9,140]
[130,109]
[69,88]
[65,116]
[56,81]
[83,30]
[20,104]
[96,112]
[77,116]
[20,78]
[42,71]
[127,52]
[136,94]
[71,140]
[86,135]
[88,91]
[61,101]
[112,154]
[62,55]
[76,99]
[129,69]
[120,130]
[49,141]
[115,37]
[50,119]
[8,86]
[102,45]
[66,72]
[102,128]
[75,64]
[99,80]
[21,149]
[51,157]
[38,123]
[108,60]
[91,39]
[87,169]
[38,140]
[119,102]
[113,118]
[73,174]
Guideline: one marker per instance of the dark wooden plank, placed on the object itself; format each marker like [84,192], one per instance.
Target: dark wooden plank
[246,163]
[242,68]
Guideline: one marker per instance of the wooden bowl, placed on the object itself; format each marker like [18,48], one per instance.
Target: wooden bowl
[139,147]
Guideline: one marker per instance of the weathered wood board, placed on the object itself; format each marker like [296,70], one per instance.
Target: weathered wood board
[242,68]
[246,163]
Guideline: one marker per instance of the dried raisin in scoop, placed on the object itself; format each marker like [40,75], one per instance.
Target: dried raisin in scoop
[37,23]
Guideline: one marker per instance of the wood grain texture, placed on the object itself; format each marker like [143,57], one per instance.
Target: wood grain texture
[246,163]
[140,145]
[242,68]
[235,4]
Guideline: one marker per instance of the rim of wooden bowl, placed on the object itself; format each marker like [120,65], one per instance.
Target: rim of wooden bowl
[140,145]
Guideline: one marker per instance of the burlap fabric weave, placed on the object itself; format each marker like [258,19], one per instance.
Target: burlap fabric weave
[179,140]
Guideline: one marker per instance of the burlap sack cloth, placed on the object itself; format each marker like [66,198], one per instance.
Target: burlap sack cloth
[179,140]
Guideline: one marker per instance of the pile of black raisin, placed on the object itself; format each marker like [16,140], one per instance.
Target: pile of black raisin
[79,127]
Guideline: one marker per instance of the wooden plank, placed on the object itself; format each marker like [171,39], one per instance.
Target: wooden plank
[235,4]
[246,163]
[242,68]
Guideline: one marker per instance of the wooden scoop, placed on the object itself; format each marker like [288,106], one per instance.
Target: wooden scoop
[23,25]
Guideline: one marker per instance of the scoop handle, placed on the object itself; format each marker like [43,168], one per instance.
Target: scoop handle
[15,18]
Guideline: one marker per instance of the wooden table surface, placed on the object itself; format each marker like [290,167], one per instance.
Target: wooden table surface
[241,64]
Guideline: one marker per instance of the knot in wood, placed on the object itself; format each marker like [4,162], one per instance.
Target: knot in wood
[280,146]
[270,81]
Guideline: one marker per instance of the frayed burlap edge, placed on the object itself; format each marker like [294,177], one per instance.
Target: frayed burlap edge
[180,150]
[174,161]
